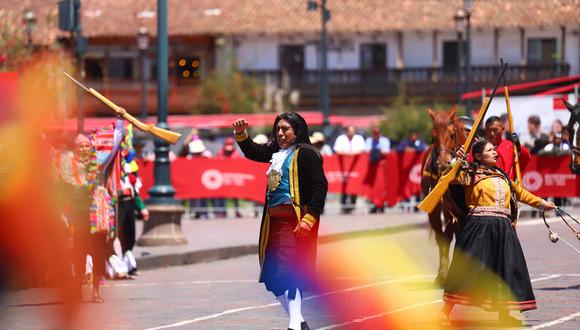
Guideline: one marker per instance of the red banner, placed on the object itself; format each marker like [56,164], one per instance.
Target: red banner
[551,177]
[396,177]
[8,94]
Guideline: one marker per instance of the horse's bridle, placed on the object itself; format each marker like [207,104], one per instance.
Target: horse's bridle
[455,141]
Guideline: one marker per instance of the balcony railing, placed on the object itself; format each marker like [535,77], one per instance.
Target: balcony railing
[515,73]
[420,81]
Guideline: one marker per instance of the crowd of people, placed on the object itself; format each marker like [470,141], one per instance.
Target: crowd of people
[101,184]
[353,142]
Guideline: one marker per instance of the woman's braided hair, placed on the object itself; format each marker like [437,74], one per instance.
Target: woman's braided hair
[477,149]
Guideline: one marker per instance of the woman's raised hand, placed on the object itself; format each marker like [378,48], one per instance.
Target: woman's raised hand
[240,125]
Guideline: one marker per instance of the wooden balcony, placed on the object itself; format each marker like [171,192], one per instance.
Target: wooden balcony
[374,87]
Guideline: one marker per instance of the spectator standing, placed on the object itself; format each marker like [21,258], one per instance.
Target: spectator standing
[494,130]
[412,143]
[534,139]
[557,146]
[228,151]
[197,149]
[376,145]
[349,144]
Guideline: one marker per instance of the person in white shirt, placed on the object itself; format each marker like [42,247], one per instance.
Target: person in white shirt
[349,144]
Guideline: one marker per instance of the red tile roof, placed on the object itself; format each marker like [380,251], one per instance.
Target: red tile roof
[115,18]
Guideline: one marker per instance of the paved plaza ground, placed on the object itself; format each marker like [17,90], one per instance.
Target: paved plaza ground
[379,277]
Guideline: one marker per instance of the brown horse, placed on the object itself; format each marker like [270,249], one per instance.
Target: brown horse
[448,134]
[574,129]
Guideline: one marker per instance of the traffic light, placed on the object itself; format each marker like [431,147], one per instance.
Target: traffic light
[188,68]
[68,15]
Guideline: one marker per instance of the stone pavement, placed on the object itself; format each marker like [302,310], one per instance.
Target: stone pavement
[227,238]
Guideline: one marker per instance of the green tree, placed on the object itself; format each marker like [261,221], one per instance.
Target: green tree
[407,114]
[229,93]
[13,50]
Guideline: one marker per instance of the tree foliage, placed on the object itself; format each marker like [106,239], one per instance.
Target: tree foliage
[407,114]
[13,50]
[229,93]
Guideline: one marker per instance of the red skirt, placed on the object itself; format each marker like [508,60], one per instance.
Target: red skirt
[286,264]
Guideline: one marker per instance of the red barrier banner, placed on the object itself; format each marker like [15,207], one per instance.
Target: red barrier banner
[8,94]
[396,177]
[209,178]
[551,177]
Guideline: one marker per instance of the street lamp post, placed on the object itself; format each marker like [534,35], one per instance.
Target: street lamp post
[468,8]
[164,225]
[143,45]
[324,88]
[162,192]
[30,21]
[459,20]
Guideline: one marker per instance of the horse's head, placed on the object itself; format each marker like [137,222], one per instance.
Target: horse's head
[447,134]
[574,129]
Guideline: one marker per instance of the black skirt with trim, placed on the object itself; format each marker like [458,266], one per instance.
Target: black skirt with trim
[488,268]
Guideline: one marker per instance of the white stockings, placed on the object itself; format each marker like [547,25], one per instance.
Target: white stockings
[293,308]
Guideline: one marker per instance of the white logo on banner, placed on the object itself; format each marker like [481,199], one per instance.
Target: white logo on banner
[214,179]
[415,174]
[533,181]
[340,177]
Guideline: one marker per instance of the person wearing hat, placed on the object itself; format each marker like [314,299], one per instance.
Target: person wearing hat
[295,197]
[319,142]
[197,149]
[260,139]
[228,151]
[88,174]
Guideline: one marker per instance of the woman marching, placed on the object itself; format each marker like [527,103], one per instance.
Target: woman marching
[488,268]
[295,199]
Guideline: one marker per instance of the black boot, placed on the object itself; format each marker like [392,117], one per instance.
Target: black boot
[304,326]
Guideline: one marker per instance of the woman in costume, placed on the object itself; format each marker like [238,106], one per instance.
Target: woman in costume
[488,268]
[90,174]
[295,199]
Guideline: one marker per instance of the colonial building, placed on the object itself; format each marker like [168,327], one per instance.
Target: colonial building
[374,46]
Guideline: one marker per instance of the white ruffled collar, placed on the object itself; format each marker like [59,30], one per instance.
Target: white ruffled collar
[278,159]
